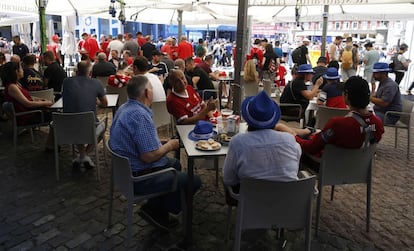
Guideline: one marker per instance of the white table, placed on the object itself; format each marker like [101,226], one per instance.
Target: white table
[112,102]
[192,153]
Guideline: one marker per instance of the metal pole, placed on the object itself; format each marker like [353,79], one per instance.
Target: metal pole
[42,24]
[324,28]
[180,24]
[240,51]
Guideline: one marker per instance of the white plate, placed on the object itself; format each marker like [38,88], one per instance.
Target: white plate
[209,146]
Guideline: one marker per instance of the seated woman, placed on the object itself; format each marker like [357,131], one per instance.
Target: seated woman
[20,97]
[331,94]
[184,103]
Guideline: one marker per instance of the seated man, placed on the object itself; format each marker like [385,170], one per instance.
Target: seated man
[103,68]
[200,78]
[348,131]
[184,103]
[297,92]
[79,95]
[262,152]
[388,96]
[331,94]
[133,135]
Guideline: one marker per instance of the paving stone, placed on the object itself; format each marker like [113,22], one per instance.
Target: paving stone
[43,220]
[78,240]
[27,245]
[43,237]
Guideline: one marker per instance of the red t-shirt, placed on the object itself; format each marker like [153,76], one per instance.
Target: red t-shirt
[343,132]
[259,53]
[185,50]
[92,47]
[184,107]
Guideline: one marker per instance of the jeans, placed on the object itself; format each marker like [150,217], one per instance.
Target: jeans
[170,202]
[399,75]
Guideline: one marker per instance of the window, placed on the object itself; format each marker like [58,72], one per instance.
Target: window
[337,26]
[364,25]
[355,25]
[346,25]
[373,25]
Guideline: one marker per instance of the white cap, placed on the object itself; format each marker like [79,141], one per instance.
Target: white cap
[305,40]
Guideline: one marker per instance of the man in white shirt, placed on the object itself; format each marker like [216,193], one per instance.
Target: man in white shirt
[140,67]
[115,45]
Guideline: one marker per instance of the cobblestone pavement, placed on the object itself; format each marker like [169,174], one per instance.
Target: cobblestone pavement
[39,213]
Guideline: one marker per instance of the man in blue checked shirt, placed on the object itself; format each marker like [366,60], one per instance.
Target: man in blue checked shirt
[133,135]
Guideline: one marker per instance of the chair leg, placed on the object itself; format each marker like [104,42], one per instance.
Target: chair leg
[238,231]
[409,144]
[56,160]
[229,210]
[216,167]
[15,138]
[31,135]
[318,208]
[111,198]
[98,166]
[368,213]
[395,138]
[332,192]
[129,224]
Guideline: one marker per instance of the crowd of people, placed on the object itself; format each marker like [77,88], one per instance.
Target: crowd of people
[179,72]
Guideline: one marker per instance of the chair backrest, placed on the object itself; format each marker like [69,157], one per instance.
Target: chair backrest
[324,114]
[160,114]
[44,94]
[8,108]
[291,112]
[346,166]
[408,107]
[103,80]
[121,173]
[208,91]
[250,89]
[263,203]
[122,92]
[74,128]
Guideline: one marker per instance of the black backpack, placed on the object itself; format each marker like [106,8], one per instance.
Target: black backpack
[297,55]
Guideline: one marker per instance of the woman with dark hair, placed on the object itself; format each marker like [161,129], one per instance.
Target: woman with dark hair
[270,63]
[20,97]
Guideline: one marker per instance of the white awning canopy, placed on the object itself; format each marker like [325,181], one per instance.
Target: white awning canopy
[213,11]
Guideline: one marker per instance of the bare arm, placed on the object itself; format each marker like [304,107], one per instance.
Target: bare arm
[103,101]
[15,92]
[378,101]
[153,156]
[311,94]
[195,80]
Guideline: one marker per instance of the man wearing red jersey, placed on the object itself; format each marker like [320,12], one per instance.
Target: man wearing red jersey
[185,49]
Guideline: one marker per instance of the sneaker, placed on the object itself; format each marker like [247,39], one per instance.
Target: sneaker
[87,162]
[159,220]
